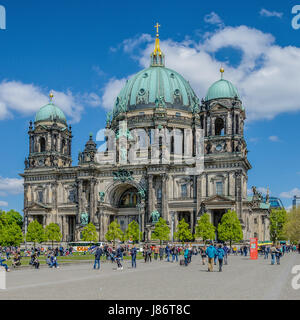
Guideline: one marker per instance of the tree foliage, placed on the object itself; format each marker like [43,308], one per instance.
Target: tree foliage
[204,228]
[133,231]
[114,232]
[52,232]
[10,230]
[89,233]
[183,232]
[35,232]
[161,231]
[230,228]
[291,229]
[278,219]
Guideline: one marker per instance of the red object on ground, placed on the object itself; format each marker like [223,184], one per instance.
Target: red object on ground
[253,248]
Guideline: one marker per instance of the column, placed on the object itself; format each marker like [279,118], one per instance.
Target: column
[164,198]
[92,201]
[150,194]
[79,201]
[192,221]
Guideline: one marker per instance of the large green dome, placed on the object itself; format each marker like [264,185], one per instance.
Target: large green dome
[156,85]
[50,112]
[221,89]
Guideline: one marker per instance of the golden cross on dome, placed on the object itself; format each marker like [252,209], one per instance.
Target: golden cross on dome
[51,95]
[157,26]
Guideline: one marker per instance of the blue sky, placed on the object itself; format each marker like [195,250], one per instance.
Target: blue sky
[85,50]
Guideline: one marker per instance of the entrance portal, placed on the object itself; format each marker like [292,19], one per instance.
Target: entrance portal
[216,219]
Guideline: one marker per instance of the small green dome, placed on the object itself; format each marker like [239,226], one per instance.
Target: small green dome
[50,112]
[222,89]
[156,84]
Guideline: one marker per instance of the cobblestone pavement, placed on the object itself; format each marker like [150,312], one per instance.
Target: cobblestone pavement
[242,278]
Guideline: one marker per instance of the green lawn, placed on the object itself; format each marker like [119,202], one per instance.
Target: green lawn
[77,257]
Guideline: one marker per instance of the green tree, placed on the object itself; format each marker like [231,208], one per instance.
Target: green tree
[161,231]
[133,231]
[204,228]
[230,228]
[114,232]
[278,219]
[183,232]
[10,234]
[52,233]
[291,228]
[35,232]
[11,216]
[89,233]
[10,231]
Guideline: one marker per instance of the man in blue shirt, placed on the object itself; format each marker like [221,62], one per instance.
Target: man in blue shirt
[220,254]
[98,255]
[211,253]
[133,252]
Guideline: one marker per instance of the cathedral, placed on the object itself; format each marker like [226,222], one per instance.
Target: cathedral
[167,155]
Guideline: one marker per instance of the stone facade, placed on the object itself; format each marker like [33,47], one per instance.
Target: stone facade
[156,137]
[57,192]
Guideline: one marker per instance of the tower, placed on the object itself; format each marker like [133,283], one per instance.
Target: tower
[222,118]
[50,139]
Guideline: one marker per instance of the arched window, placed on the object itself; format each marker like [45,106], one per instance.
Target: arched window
[219,127]
[129,198]
[183,190]
[236,124]
[172,145]
[63,145]
[42,144]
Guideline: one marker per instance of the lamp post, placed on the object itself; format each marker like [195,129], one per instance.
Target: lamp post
[140,207]
[172,226]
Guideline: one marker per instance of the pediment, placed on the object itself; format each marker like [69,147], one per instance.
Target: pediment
[218,107]
[38,206]
[217,198]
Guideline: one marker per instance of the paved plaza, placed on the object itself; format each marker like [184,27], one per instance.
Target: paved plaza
[241,279]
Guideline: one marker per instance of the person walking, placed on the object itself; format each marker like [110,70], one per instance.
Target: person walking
[203,254]
[245,249]
[220,254]
[161,253]
[211,253]
[168,252]
[278,254]
[267,251]
[156,251]
[98,254]
[133,253]
[176,253]
[186,256]
[118,258]
[273,252]
[149,254]
[226,251]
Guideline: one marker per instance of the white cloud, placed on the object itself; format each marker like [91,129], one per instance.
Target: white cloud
[213,18]
[267,76]
[274,139]
[3,204]
[11,186]
[290,194]
[267,13]
[111,91]
[27,99]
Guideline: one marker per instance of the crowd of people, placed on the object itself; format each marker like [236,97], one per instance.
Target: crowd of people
[210,254]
